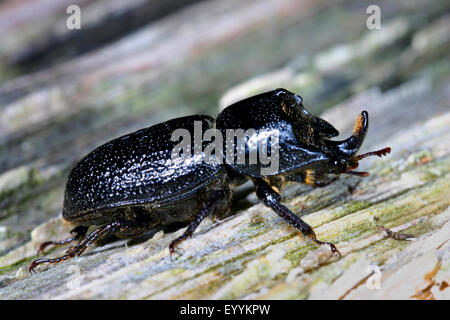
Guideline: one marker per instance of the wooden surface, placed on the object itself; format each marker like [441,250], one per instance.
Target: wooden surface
[400,74]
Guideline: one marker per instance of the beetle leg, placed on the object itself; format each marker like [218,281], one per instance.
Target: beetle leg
[210,205]
[312,178]
[92,237]
[272,200]
[79,248]
[79,232]
[317,179]
[324,183]
[132,229]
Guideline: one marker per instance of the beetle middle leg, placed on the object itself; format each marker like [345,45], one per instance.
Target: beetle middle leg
[211,204]
[272,200]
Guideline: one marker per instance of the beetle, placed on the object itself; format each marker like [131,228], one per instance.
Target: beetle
[132,184]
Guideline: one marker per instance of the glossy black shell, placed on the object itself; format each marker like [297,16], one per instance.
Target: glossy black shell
[137,169]
[300,133]
[134,177]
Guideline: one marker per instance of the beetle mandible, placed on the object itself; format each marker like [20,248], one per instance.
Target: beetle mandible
[131,184]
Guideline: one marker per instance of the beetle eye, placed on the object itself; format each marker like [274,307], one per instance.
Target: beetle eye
[298,99]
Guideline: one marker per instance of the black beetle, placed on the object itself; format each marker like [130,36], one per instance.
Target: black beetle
[133,184]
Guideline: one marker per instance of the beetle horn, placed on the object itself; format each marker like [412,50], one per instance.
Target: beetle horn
[351,145]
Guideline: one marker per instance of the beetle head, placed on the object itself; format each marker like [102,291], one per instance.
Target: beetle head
[344,152]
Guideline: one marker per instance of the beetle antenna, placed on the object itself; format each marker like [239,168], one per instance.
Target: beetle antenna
[359,173]
[379,153]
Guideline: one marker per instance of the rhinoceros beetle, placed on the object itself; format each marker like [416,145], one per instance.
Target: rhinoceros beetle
[133,184]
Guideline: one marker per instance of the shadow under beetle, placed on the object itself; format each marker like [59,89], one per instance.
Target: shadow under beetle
[131,184]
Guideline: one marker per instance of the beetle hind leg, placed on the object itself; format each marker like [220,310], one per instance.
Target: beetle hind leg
[78,233]
[80,247]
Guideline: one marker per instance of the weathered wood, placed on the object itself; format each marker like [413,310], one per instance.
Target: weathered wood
[400,74]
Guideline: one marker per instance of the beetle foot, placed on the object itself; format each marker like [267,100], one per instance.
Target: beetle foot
[78,249]
[78,233]
[70,253]
[37,262]
[55,243]
[178,251]
[334,250]
[332,246]
[73,251]
[43,246]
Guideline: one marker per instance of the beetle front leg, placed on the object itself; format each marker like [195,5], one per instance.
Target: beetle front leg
[272,200]
[209,206]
